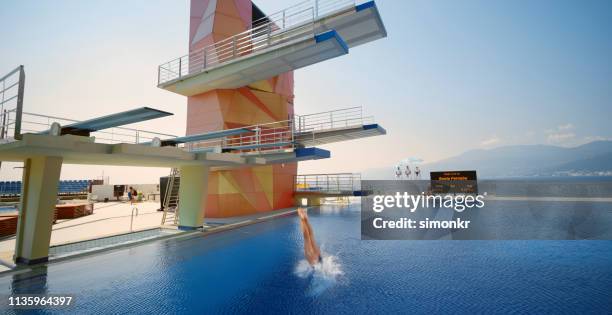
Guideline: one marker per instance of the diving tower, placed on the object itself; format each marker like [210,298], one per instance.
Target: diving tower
[243,139]
[43,152]
[305,34]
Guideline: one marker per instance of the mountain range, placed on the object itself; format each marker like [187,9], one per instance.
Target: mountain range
[591,159]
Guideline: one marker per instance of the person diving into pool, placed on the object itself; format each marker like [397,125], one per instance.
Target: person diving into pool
[311,250]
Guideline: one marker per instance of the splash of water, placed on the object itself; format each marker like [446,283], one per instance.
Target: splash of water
[322,276]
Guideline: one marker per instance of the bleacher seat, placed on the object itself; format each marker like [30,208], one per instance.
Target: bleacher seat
[13,188]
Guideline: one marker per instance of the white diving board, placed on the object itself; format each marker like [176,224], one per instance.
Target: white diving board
[298,155]
[84,128]
[357,25]
[318,137]
[260,65]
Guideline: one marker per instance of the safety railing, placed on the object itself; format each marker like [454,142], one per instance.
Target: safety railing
[11,103]
[321,8]
[328,183]
[334,119]
[37,123]
[260,138]
[293,23]
[299,25]
[8,120]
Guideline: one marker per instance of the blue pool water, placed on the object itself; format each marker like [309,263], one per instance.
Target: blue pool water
[256,269]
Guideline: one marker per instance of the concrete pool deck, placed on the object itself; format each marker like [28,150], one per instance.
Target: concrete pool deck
[108,219]
[115,218]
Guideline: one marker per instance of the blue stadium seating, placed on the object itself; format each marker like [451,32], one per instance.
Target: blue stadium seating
[66,187]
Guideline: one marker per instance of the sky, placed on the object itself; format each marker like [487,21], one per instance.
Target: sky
[451,75]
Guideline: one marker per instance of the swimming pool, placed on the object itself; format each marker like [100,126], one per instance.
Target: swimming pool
[255,269]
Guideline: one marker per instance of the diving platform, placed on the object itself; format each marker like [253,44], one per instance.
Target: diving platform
[335,126]
[357,25]
[83,150]
[302,35]
[318,137]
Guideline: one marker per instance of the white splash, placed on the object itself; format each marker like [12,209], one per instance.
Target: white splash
[322,275]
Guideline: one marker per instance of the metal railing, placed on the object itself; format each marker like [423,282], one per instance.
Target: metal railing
[287,25]
[37,123]
[280,135]
[11,103]
[321,8]
[328,183]
[8,120]
[264,137]
[334,119]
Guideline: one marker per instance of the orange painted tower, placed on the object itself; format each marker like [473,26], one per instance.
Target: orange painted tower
[245,190]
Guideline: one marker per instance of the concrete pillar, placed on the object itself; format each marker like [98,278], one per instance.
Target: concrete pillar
[38,198]
[192,196]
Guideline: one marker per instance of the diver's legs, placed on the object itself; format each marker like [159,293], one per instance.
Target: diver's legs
[311,250]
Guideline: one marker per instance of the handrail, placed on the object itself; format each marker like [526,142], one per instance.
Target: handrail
[289,24]
[236,46]
[333,182]
[321,8]
[276,135]
[132,216]
[333,119]
[11,103]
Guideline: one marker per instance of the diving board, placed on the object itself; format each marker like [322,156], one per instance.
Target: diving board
[288,55]
[84,128]
[324,136]
[357,25]
[297,155]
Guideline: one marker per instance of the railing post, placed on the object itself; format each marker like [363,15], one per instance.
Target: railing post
[204,59]
[316,9]
[234,47]
[283,19]
[158,75]
[180,67]
[361,114]
[269,34]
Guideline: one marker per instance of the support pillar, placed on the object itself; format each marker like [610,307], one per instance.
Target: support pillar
[192,196]
[38,198]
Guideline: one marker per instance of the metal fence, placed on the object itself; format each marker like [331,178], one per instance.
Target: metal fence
[333,119]
[11,104]
[287,25]
[266,137]
[328,183]
[320,8]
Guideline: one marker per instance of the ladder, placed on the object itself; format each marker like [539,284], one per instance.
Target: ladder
[171,201]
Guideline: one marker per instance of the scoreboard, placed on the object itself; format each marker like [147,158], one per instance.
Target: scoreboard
[454,182]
